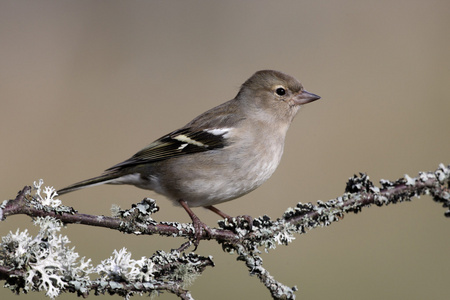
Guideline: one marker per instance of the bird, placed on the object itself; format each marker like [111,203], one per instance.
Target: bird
[223,154]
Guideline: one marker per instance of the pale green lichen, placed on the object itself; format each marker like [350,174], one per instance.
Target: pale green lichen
[48,199]
[121,267]
[46,260]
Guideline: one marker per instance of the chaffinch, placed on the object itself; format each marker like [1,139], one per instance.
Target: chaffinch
[222,154]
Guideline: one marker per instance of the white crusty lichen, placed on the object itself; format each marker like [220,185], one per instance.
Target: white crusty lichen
[442,173]
[48,199]
[262,232]
[122,275]
[286,235]
[409,180]
[45,263]
[45,260]
[120,267]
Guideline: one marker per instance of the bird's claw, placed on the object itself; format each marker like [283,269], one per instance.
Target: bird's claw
[199,226]
[247,218]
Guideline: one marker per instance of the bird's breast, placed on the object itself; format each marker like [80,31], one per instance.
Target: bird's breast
[216,176]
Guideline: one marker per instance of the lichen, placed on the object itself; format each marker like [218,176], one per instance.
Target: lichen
[46,260]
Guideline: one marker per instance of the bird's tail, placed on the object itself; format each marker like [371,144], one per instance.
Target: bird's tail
[102,179]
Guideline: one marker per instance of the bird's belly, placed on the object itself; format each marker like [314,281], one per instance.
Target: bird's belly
[203,189]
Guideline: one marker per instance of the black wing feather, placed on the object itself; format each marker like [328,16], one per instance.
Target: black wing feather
[177,143]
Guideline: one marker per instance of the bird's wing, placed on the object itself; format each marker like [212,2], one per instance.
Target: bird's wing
[177,143]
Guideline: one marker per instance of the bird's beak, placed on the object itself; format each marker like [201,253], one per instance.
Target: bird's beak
[305,97]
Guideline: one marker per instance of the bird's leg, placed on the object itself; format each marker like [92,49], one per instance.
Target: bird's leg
[196,222]
[219,212]
[247,218]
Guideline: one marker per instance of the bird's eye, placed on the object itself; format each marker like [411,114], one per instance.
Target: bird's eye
[280,91]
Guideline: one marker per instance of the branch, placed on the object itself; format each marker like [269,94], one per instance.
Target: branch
[137,220]
[167,271]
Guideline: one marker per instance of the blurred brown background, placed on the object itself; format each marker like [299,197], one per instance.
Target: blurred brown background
[86,84]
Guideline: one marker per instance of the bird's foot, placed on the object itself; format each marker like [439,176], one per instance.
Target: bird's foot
[199,226]
[246,218]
